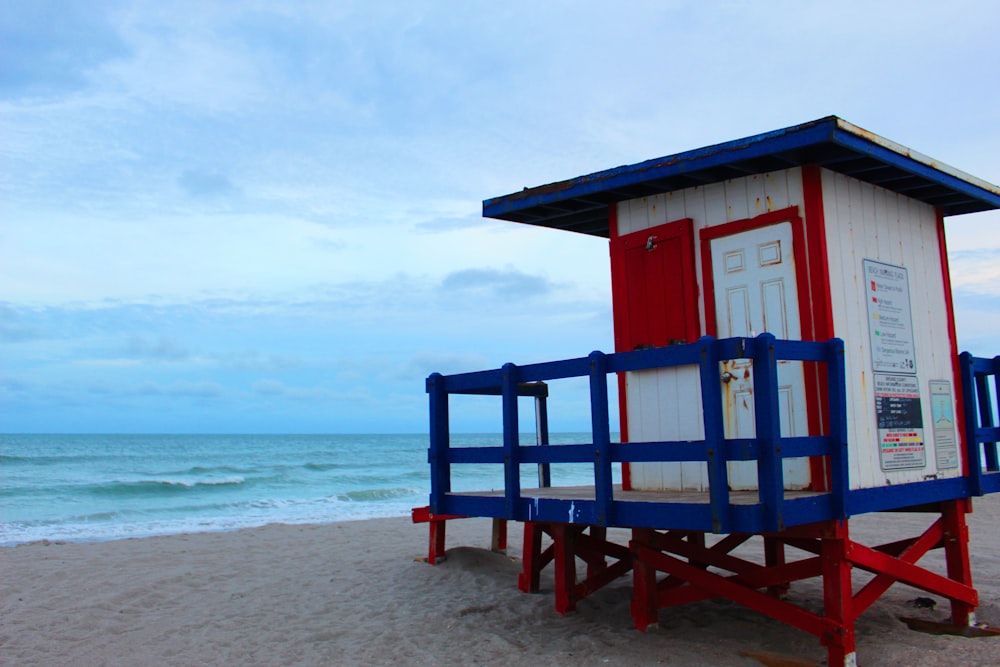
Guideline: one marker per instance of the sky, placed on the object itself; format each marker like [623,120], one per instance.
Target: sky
[267,216]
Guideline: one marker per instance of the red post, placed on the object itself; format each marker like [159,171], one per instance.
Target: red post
[595,566]
[644,607]
[564,542]
[837,597]
[436,549]
[956,550]
[774,556]
[531,566]
[498,541]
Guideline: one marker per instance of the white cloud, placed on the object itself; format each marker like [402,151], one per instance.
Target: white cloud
[235,203]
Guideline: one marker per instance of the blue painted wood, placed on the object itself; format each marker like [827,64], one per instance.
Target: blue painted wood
[473,382]
[989,435]
[717,514]
[991,482]
[973,460]
[811,509]
[477,455]
[511,440]
[559,510]
[809,445]
[798,350]
[554,370]
[985,426]
[742,449]
[883,498]
[601,428]
[770,473]
[651,452]
[558,454]
[836,379]
[678,516]
[711,400]
[986,432]
[659,357]
[491,506]
[437,454]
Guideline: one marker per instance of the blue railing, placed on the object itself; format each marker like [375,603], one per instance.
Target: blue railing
[768,448]
[981,431]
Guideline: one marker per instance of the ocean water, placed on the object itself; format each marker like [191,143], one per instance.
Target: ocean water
[100,487]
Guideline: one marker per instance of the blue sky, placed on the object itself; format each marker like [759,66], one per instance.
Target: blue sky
[266,217]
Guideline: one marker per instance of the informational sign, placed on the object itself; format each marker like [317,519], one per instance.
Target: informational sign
[890,326]
[943,414]
[900,422]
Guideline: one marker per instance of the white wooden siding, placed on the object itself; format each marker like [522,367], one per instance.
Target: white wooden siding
[864,221]
[666,404]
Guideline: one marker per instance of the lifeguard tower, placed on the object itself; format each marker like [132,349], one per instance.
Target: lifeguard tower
[786,358]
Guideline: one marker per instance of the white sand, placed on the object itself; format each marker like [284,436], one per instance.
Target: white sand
[351,593]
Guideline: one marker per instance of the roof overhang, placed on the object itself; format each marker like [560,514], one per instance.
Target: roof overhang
[581,204]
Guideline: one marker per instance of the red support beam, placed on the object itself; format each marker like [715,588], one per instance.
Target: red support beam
[684,558]
[879,563]
[956,549]
[774,556]
[838,601]
[531,558]
[437,530]
[913,552]
[644,610]
[766,578]
[564,563]
[436,550]
[498,542]
[722,587]
[597,563]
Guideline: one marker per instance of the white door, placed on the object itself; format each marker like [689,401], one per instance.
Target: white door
[755,291]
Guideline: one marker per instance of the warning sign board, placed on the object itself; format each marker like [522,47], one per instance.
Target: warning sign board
[890,325]
[900,422]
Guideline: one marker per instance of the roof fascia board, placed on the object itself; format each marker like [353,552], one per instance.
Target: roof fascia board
[717,155]
[829,130]
[844,126]
[918,165]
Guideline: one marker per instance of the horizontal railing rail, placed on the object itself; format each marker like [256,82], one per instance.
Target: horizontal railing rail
[768,447]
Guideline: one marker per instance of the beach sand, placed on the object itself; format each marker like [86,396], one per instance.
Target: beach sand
[353,593]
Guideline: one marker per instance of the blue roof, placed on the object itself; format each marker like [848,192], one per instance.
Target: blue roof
[581,204]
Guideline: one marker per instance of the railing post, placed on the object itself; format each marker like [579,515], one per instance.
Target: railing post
[511,441]
[970,399]
[542,439]
[715,446]
[986,412]
[600,424]
[836,377]
[996,396]
[770,473]
[437,454]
